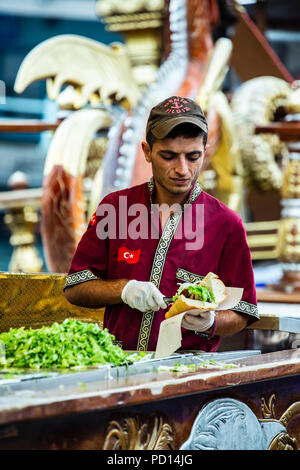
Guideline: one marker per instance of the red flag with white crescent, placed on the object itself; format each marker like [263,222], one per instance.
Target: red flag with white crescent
[92,220]
[131,257]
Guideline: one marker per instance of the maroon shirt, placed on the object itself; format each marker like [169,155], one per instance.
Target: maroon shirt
[165,260]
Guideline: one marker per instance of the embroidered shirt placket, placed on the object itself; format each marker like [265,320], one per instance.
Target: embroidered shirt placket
[159,262]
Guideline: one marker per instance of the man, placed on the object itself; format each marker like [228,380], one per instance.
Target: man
[130,274]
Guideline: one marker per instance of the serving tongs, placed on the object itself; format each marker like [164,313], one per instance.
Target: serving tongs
[169,300]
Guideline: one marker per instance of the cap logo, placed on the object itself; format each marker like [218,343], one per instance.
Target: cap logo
[176,106]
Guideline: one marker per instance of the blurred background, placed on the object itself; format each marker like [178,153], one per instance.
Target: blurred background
[26,24]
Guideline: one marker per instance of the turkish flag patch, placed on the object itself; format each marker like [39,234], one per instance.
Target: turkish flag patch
[93,220]
[129,256]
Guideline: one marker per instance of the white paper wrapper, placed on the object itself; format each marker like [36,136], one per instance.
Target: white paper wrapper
[169,337]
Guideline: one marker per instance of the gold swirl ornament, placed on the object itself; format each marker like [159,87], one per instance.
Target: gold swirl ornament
[133,434]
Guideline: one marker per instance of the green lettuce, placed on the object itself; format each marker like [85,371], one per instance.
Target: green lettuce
[201,292]
[72,343]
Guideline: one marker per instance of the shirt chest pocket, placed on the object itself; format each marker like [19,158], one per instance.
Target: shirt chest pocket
[187,276]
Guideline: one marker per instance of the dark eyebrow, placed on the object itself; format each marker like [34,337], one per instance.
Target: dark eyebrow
[170,152]
[195,151]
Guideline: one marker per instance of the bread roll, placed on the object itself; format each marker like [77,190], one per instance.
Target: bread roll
[212,282]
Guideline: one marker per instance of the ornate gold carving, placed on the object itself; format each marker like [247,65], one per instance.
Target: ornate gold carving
[93,177]
[133,434]
[97,72]
[288,247]
[261,170]
[22,222]
[217,69]
[22,216]
[291,180]
[65,208]
[116,7]
[289,414]
[256,241]
[144,49]
[281,441]
[141,23]
[292,104]
[132,22]
[264,226]
[95,155]
[226,161]
[268,411]
[225,179]
[263,234]
[289,234]
[255,103]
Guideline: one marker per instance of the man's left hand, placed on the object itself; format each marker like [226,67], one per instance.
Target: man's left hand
[198,320]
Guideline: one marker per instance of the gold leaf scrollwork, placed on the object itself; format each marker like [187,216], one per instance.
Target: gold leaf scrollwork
[268,409]
[283,441]
[290,413]
[132,434]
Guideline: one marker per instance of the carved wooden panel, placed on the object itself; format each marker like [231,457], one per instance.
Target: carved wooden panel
[258,415]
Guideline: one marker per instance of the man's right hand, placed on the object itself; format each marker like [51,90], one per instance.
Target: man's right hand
[143,296]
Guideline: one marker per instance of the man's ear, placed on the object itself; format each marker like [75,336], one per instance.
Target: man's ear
[147,151]
[206,149]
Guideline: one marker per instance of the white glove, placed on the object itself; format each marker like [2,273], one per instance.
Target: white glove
[198,320]
[143,296]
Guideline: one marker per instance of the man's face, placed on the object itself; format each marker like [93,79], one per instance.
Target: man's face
[176,163]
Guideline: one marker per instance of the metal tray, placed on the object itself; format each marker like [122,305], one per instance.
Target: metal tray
[13,380]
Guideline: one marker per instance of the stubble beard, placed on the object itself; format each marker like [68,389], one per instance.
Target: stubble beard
[175,190]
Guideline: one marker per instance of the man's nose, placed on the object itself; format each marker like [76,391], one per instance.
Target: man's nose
[181,165]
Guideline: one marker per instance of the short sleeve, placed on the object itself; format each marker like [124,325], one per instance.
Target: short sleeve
[90,259]
[235,269]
